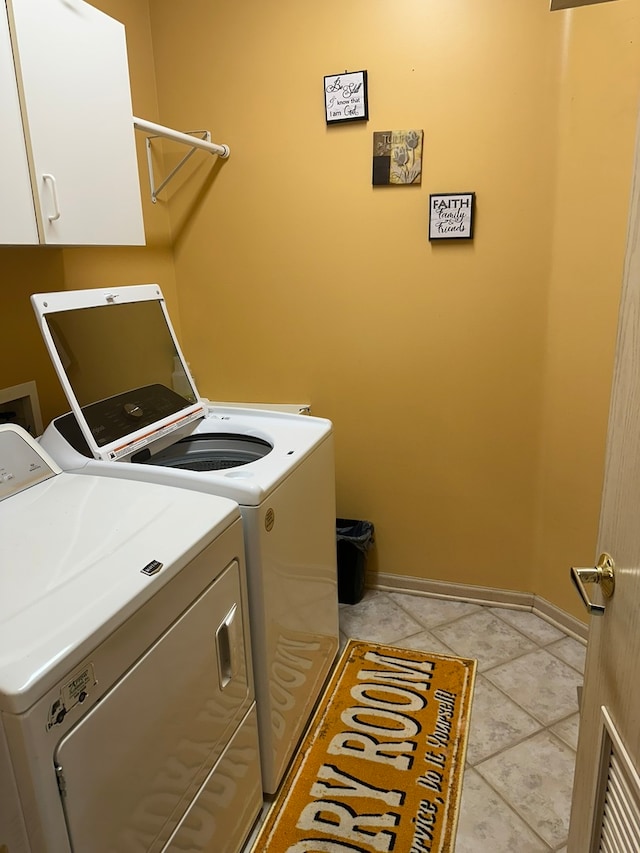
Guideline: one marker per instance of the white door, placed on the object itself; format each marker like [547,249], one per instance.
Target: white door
[606,798]
[73,79]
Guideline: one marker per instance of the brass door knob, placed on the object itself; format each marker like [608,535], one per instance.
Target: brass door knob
[602,574]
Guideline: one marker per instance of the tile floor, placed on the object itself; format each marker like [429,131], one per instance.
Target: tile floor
[524,724]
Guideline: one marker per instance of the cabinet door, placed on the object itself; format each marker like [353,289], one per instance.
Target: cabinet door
[73,78]
[17,216]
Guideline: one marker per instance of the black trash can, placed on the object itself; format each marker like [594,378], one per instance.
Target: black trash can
[353,539]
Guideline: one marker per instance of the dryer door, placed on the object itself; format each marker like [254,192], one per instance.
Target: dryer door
[132,765]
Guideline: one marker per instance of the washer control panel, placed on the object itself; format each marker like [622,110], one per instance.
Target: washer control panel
[22,462]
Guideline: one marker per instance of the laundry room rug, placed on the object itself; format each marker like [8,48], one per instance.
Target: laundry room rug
[380,768]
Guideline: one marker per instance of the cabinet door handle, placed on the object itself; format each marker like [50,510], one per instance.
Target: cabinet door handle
[54,195]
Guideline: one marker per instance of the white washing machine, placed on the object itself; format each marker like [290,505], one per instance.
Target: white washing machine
[136,414]
[127,709]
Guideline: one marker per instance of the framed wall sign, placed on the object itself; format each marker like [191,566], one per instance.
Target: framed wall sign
[345,97]
[451,216]
[397,157]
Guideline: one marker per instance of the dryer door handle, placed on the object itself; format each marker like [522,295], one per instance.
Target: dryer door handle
[226,647]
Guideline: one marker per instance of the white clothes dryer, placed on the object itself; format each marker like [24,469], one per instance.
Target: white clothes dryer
[136,414]
[127,709]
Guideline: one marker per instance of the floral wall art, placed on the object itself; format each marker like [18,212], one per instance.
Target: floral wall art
[397,157]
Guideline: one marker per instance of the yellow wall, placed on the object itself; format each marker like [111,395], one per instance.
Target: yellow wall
[23,357]
[426,357]
[597,115]
[468,383]
[468,392]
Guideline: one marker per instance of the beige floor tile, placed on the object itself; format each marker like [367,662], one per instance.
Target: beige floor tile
[484,636]
[425,642]
[377,619]
[567,730]
[532,626]
[496,722]
[541,684]
[570,651]
[487,824]
[433,611]
[536,778]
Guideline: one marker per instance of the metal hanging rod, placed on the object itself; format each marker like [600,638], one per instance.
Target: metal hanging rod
[192,139]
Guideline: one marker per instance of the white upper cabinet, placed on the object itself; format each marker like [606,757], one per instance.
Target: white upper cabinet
[17,216]
[72,73]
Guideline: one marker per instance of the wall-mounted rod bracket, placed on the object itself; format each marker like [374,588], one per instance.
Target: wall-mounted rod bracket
[195,139]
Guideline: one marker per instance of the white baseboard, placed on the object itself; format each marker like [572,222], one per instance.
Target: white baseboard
[481,595]
[556,616]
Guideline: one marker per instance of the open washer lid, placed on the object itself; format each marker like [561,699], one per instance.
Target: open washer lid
[120,365]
